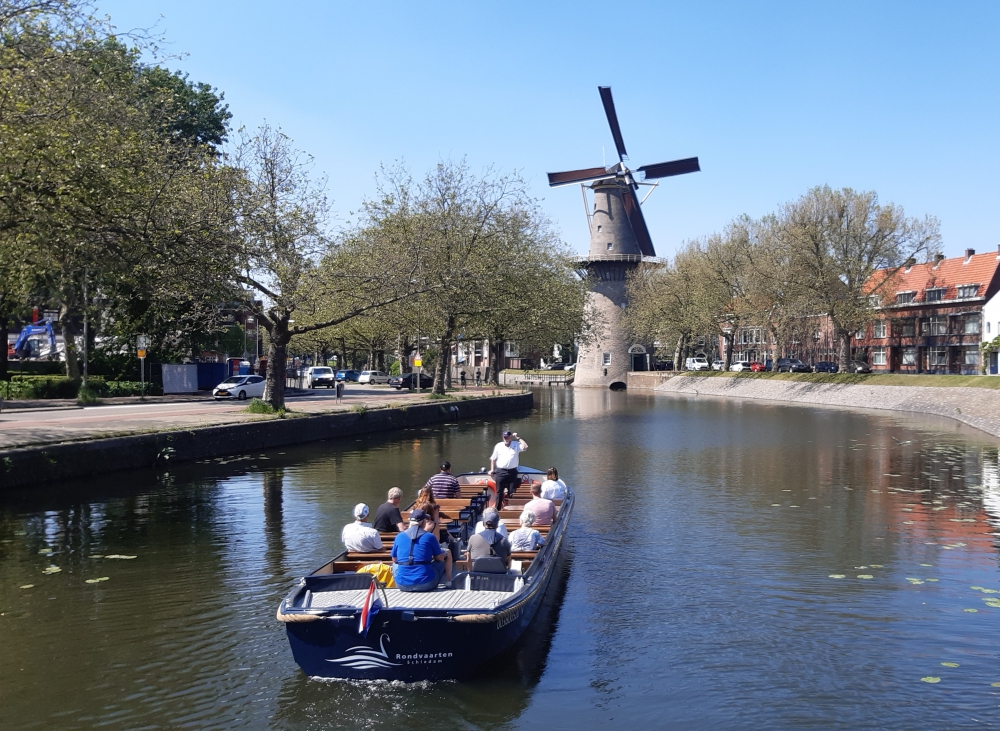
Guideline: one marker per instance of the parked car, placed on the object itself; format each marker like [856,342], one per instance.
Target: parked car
[758,367]
[792,365]
[404,381]
[571,367]
[663,365]
[239,387]
[319,376]
[859,366]
[698,363]
[373,377]
[826,366]
[348,375]
[718,365]
[555,367]
[740,365]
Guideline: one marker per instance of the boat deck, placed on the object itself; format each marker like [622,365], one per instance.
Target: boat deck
[439,599]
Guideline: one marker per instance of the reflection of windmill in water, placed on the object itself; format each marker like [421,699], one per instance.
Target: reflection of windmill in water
[619,240]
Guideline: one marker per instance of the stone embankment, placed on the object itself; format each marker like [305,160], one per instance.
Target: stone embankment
[30,465]
[976,407]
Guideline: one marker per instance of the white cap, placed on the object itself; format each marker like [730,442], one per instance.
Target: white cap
[361,511]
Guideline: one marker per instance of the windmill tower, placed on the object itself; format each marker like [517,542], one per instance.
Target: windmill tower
[619,240]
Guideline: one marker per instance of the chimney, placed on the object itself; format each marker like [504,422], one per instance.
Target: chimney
[911,261]
[969,253]
[938,259]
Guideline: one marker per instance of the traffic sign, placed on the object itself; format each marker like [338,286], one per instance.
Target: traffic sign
[142,354]
[418,361]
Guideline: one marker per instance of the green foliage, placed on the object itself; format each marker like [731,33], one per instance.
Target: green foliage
[87,396]
[256,406]
[48,387]
[395,369]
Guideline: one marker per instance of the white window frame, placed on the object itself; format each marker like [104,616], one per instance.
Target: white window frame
[860,334]
[907,324]
[879,356]
[880,330]
[971,325]
[909,357]
[905,298]
[967,291]
[938,296]
[605,359]
[971,356]
[935,326]
[937,357]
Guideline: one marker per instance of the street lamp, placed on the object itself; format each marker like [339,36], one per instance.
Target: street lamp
[246,321]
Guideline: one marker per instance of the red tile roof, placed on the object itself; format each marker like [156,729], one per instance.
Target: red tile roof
[979,269]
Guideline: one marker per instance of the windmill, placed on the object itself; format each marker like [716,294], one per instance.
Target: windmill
[619,239]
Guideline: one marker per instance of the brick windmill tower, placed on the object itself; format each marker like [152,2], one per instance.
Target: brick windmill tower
[619,240]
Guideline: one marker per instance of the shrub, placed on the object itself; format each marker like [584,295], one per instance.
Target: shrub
[256,406]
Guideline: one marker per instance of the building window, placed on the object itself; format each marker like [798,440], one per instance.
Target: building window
[934,295]
[904,298]
[909,356]
[874,300]
[878,356]
[879,329]
[606,359]
[860,334]
[971,325]
[907,328]
[987,327]
[972,356]
[610,246]
[968,290]
[937,357]
[935,326]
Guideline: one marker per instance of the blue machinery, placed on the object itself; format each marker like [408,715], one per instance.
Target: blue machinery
[22,347]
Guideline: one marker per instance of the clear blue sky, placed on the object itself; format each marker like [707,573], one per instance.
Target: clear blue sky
[774,97]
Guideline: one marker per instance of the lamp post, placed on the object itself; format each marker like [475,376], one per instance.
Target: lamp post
[246,323]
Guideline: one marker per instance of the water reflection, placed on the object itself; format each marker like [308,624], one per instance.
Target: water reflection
[705,545]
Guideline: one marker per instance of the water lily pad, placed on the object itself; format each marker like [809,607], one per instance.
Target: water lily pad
[914,581]
[51,570]
[865,576]
[98,580]
[931,580]
[995,603]
[27,586]
[927,564]
[775,505]
[995,685]
[976,588]
[97,555]
[838,576]
[950,664]
[44,551]
[989,591]
[118,555]
[878,566]
[971,611]
[931,679]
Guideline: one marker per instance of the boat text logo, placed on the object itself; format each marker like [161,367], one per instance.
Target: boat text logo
[365,658]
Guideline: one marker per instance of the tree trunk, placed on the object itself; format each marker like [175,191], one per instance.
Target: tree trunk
[277,354]
[677,352]
[441,367]
[844,354]
[729,339]
[496,361]
[4,331]
[69,341]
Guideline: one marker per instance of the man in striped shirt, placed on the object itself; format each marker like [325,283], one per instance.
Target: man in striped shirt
[443,485]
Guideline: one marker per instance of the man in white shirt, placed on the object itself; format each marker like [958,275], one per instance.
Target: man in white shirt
[360,536]
[504,463]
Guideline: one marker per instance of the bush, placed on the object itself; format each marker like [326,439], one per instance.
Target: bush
[256,406]
[47,387]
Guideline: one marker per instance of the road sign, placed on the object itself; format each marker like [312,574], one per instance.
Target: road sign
[142,354]
[142,342]
[418,361]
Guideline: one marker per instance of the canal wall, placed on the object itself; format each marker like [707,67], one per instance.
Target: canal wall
[976,407]
[72,460]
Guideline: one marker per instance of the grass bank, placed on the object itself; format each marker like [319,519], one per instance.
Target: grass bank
[874,379]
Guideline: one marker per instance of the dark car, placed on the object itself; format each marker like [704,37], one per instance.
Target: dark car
[791,365]
[826,366]
[555,367]
[858,366]
[407,381]
[349,375]
[663,365]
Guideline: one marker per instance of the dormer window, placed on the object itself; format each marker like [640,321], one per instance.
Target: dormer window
[904,298]
[968,290]
[934,295]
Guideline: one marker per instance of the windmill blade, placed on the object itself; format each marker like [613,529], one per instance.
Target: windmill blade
[636,220]
[578,176]
[669,169]
[609,110]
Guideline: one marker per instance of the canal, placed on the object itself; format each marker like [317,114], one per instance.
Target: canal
[731,565]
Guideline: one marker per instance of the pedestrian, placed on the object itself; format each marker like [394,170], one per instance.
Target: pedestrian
[461,378]
[503,465]
[340,391]
[479,378]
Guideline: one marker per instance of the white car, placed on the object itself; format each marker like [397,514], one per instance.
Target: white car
[240,388]
[320,376]
[373,377]
[718,365]
[740,366]
[697,363]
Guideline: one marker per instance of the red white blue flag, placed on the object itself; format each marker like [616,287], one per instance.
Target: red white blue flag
[369,609]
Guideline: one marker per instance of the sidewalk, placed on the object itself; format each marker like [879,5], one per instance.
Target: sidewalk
[59,421]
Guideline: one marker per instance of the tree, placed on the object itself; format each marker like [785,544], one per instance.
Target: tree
[843,250]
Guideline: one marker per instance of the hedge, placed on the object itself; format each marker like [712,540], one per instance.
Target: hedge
[46,387]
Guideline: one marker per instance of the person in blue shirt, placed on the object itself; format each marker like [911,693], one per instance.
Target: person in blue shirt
[418,562]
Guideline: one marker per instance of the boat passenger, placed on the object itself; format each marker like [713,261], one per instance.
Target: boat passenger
[387,517]
[360,536]
[526,538]
[419,562]
[443,485]
[501,528]
[544,510]
[490,542]
[553,488]
[425,501]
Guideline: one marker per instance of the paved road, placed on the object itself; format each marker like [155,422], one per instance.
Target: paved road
[25,428]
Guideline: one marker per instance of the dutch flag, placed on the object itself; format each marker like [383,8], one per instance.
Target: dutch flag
[369,609]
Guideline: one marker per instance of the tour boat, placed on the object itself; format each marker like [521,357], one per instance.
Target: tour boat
[437,635]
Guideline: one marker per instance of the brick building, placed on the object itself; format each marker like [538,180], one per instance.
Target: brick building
[931,319]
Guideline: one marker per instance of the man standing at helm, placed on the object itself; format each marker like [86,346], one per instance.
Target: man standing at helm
[503,465]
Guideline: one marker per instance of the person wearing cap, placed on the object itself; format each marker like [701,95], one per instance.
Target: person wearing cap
[443,485]
[490,542]
[504,463]
[387,517]
[359,536]
[419,563]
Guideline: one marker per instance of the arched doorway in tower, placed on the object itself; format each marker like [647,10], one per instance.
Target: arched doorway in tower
[639,358]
